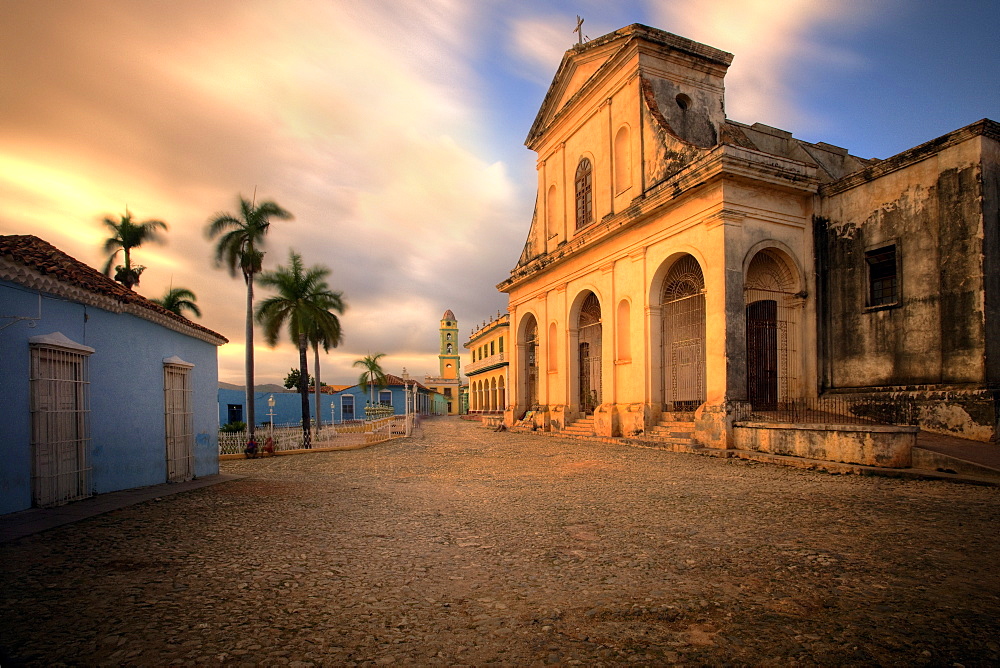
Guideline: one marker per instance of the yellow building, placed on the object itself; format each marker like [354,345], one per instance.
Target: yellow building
[674,268]
[487,368]
[448,382]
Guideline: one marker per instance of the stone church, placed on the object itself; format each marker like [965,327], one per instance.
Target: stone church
[682,267]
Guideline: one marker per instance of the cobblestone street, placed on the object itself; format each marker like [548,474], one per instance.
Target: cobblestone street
[462,546]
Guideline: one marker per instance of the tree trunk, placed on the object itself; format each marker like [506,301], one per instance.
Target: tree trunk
[250,416]
[319,412]
[304,391]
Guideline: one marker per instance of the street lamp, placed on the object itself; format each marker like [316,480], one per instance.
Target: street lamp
[270,412]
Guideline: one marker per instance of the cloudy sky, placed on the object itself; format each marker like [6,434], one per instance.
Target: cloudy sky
[394,130]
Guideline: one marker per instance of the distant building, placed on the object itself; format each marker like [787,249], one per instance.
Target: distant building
[103,389]
[349,404]
[448,382]
[682,267]
[487,368]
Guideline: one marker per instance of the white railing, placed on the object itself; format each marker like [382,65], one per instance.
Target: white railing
[289,437]
[469,369]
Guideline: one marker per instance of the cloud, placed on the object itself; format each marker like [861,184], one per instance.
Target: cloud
[770,42]
[538,44]
[360,118]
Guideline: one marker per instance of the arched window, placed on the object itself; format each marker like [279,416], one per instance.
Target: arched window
[450,349]
[584,194]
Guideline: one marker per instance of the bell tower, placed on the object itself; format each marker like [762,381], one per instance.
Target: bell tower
[448,356]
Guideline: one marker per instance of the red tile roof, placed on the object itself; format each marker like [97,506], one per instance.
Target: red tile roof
[42,257]
[390,380]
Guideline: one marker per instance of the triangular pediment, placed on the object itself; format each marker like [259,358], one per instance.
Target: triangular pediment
[579,67]
[584,66]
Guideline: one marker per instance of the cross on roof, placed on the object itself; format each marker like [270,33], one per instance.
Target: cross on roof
[579,29]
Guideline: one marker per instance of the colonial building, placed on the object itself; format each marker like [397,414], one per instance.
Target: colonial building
[487,367]
[448,381]
[104,389]
[682,266]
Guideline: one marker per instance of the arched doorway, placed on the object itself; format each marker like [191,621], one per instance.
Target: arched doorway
[773,313]
[683,336]
[590,339]
[530,362]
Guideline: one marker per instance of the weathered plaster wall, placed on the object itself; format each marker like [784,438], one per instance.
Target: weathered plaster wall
[932,211]
[870,446]
[666,153]
[990,174]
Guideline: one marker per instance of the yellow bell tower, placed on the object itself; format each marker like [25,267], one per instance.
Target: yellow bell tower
[448,356]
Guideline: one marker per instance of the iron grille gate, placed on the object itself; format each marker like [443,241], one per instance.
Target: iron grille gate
[590,354]
[773,365]
[531,364]
[683,337]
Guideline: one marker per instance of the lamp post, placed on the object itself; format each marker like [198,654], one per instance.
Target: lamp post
[270,412]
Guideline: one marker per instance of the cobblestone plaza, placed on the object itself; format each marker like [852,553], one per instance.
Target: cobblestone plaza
[462,546]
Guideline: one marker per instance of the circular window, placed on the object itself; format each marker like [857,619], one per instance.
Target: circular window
[683,101]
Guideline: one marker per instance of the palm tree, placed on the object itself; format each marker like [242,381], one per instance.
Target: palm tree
[240,243]
[177,300]
[372,376]
[128,235]
[304,301]
[317,338]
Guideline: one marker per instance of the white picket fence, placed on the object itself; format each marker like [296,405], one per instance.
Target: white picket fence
[289,437]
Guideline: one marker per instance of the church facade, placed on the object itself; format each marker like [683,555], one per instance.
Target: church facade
[681,266]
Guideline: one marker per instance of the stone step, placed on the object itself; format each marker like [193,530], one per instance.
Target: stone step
[678,425]
[581,427]
[671,429]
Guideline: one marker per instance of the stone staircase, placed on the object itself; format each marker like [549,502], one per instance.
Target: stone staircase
[581,427]
[673,434]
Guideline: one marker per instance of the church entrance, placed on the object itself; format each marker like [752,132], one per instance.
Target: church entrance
[762,354]
[773,313]
[589,351]
[531,362]
[683,336]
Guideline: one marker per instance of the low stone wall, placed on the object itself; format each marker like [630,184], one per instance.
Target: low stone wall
[971,413]
[869,445]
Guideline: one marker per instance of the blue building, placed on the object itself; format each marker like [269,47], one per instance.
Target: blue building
[103,389]
[341,406]
[349,404]
[287,408]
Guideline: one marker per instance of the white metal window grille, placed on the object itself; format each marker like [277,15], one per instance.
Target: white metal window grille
[683,336]
[179,422]
[60,426]
[590,354]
